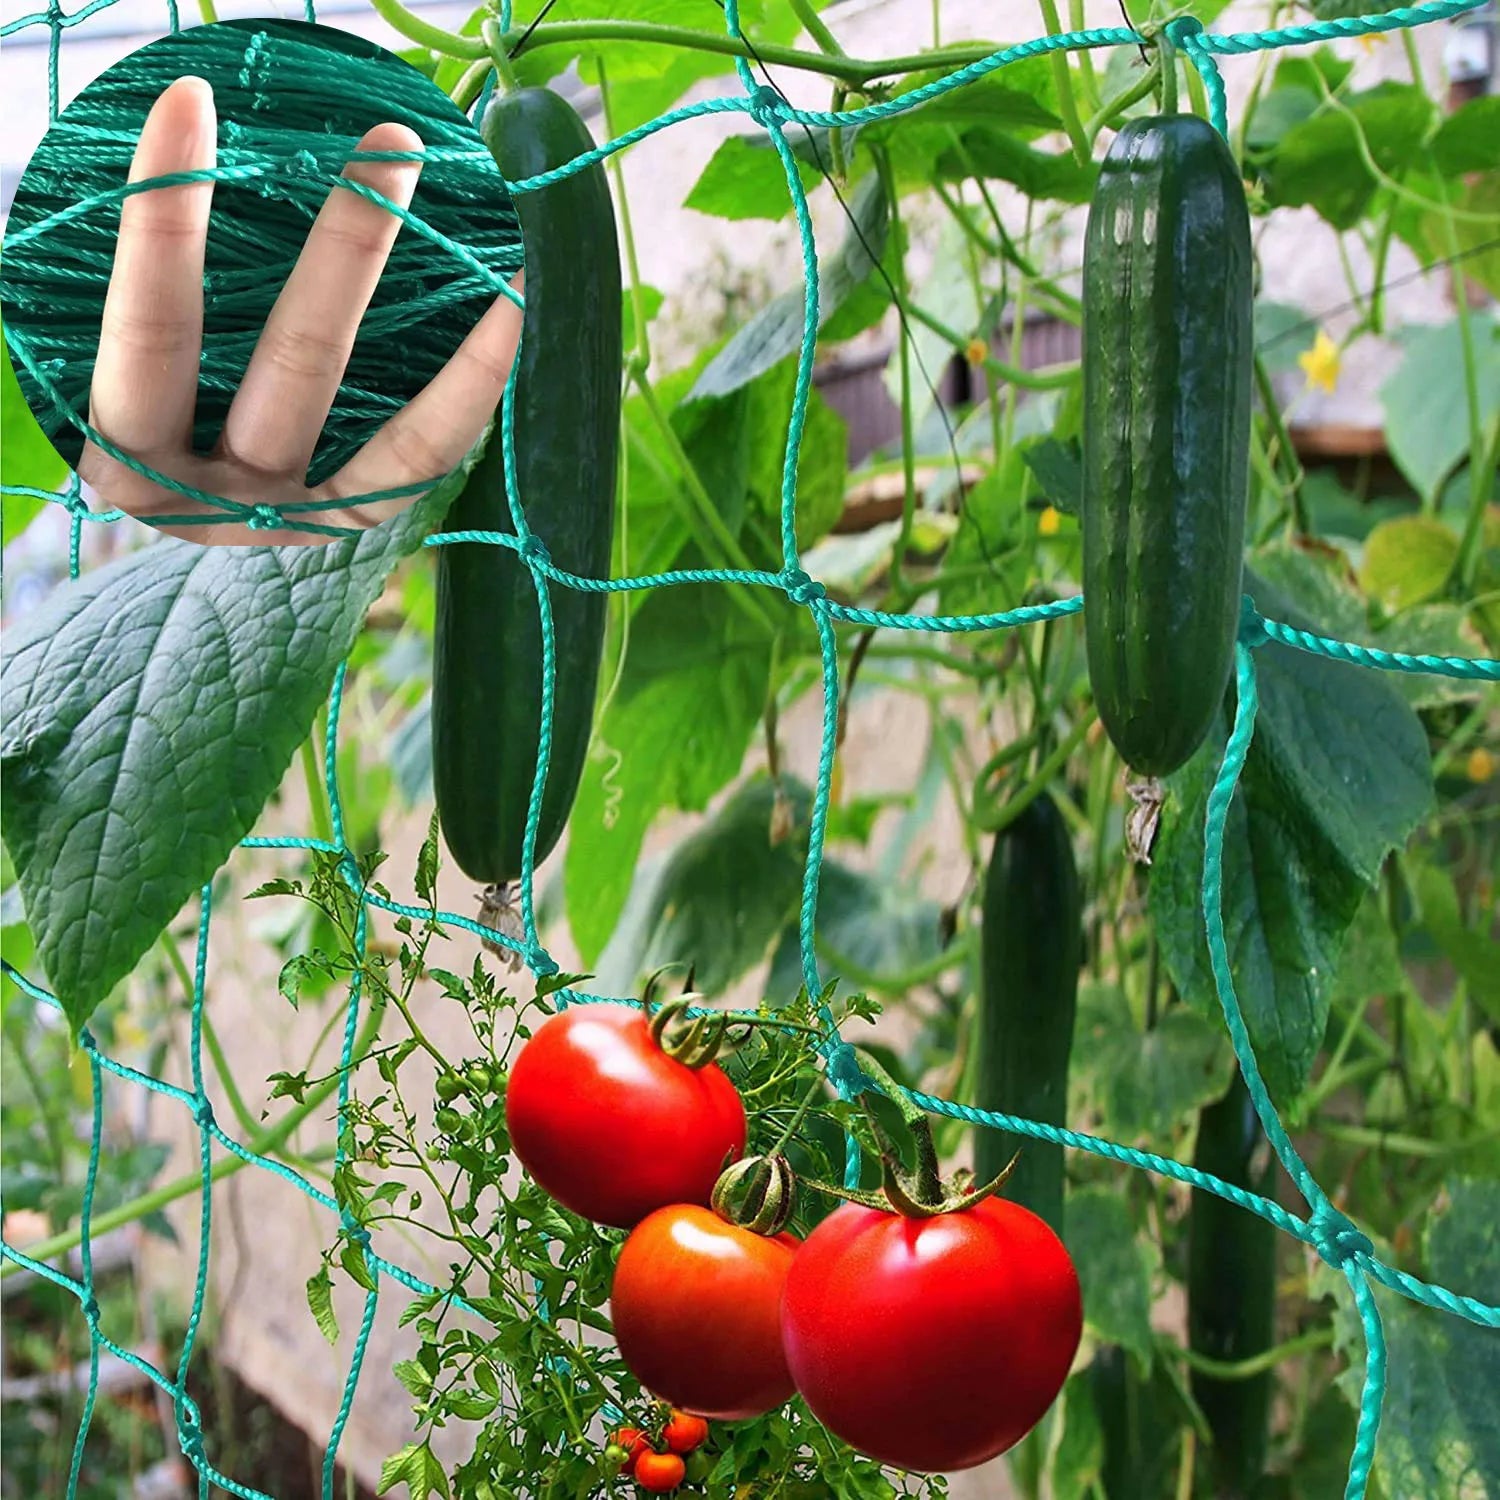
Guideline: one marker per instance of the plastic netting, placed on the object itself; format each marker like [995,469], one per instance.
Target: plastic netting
[1337,1240]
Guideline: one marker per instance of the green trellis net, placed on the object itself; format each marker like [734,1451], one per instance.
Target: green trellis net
[1332,1235]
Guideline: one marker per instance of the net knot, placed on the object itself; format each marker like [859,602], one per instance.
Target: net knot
[1252,631]
[533,550]
[767,108]
[304,164]
[800,588]
[91,1310]
[265,518]
[540,962]
[1336,1239]
[203,1113]
[844,1071]
[1182,31]
[355,1232]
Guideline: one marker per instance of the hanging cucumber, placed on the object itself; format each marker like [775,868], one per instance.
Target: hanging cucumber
[487,651]
[1167,364]
[1030,947]
[1232,1290]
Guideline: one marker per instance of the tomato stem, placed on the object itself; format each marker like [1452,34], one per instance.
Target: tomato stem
[784,1139]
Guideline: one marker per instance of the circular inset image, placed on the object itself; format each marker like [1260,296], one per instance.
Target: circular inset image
[261,284]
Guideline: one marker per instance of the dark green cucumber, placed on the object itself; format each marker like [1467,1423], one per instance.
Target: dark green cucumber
[1167,367]
[1232,1290]
[487,656]
[1030,948]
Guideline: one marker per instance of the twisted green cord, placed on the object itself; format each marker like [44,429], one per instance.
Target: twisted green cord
[1328,1232]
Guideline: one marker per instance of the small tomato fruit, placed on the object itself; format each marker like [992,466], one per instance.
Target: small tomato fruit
[610,1125]
[696,1310]
[629,1443]
[659,1472]
[931,1344]
[685,1432]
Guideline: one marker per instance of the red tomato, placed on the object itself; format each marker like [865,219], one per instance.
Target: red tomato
[611,1126]
[695,1305]
[931,1344]
[659,1472]
[634,1442]
[683,1433]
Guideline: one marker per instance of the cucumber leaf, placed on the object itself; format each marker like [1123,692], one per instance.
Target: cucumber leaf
[1338,775]
[150,710]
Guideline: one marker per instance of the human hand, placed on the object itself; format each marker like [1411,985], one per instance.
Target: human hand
[145,380]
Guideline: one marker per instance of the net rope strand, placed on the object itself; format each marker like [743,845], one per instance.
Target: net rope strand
[1322,1227]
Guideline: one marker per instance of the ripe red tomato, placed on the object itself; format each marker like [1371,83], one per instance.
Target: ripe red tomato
[931,1344]
[683,1432]
[659,1472]
[695,1305]
[611,1126]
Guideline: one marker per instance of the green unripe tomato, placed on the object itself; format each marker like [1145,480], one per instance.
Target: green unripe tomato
[448,1120]
[448,1086]
[477,1076]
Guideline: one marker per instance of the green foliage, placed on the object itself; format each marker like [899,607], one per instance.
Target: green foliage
[1115,1267]
[26,456]
[1338,776]
[129,773]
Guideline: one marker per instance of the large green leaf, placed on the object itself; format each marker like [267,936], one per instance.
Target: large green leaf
[744,179]
[1469,139]
[1426,407]
[1320,161]
[1407,561]
[1440,1421]
[1144,1084]
[675,732]
[1115,1267]
[726,891]
[776,330]
[1337,776]
[1039,174]
[150,710]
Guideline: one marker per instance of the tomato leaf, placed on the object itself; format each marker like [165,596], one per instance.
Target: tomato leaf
[320,1300]
[419,1469]
[150,710]
[1115,1266]
[1337,776]
[776,330]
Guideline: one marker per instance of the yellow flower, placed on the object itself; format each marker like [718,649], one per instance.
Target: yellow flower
[1480,765]
[976,352]
[1371,40]
[1048,522]
[1321,363]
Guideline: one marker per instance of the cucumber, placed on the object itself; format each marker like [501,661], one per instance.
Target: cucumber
[1232,1290]
[487,650]
[1030,951]
[1167,367]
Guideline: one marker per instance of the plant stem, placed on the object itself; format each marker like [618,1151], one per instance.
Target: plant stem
[1256,1364]
[1111,109]
[265,1142]
[817,29]
[499,56]
[1055,378]
[317,793]
[1067,105]
[1285,451]
[1168,55]
[1007,813]
[248,1122]
[851,70]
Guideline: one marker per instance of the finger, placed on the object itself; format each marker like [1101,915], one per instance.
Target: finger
[145,381]
[433,431]
[279,410]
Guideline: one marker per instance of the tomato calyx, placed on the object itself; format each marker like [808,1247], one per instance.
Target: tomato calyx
[921,1194]
[757,1194]
[699,1042]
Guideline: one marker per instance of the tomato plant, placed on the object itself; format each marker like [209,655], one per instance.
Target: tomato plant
[611,1124]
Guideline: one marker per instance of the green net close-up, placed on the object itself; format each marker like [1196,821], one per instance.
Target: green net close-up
[1320,1225]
